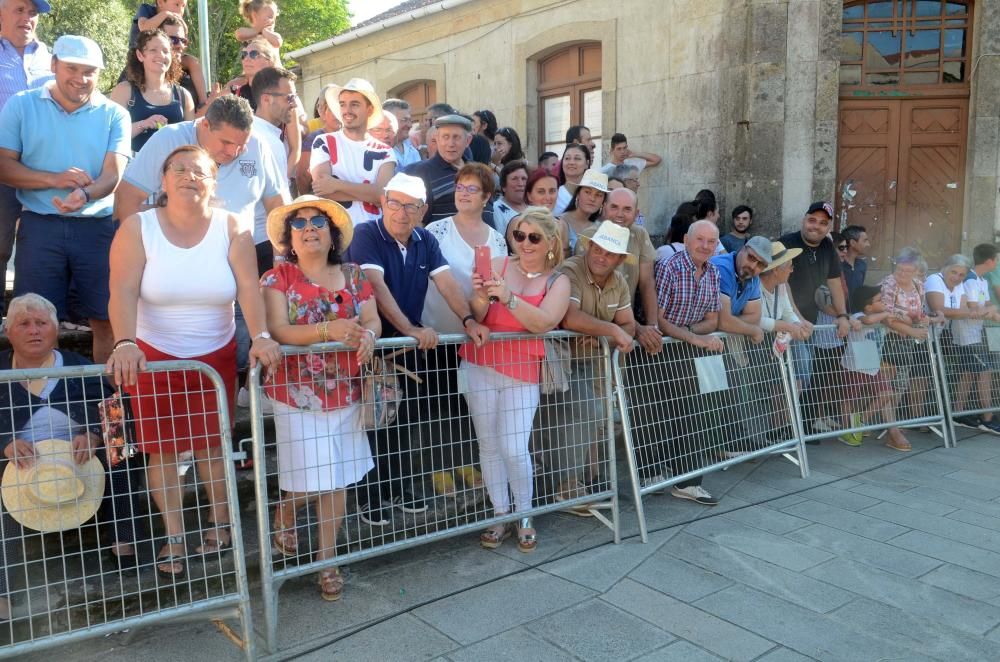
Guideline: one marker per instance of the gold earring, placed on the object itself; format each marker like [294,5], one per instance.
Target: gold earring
[550,255]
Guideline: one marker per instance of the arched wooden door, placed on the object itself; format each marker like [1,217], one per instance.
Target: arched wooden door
[904,124]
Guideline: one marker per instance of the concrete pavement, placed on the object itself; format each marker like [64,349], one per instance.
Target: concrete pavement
[878,555]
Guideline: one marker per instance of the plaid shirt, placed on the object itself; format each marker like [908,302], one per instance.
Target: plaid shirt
[684,299]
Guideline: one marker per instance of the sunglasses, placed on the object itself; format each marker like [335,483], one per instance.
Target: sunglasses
[253,55]
[178,41]
[519,237]
[289,97]
[318,222]
[842,247]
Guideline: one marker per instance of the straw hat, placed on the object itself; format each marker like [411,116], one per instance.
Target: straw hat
[613,238]
[594,179]
[276,218]
[55,493]
[362,87]
[780,255]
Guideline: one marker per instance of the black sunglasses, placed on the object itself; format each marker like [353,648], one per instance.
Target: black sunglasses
[178,41]
[253,55]
[318,221]
[842,247]
[519,237]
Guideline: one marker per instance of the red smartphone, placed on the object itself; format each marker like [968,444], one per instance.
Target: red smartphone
[484,265]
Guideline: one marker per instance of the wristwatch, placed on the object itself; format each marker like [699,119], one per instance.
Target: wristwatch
[512,302]
[262,334]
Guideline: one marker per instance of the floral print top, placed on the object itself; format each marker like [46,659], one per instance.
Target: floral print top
[909,301]
[317,381]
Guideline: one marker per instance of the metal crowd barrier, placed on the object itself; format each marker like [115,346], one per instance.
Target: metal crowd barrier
[64,584]
[872,381]
[687,412]
[969,364]
[333,489]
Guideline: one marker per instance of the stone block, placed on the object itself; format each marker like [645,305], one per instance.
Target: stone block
[967,556]
[846,520]
[910,500]
[485,611]
[955,578]
[768,30]
[680,651]
[910,595]
[762,575]
[816,636]
[760,544]
[803,28]
[863,550]
[597,631]
[766,519]
[767,92]
[385,640]
[958,501]
[516,644]
[697,42]
[701,628]
[827,91]
[939,526]
[830,25]
[678,579]
[984,142]
[605,566]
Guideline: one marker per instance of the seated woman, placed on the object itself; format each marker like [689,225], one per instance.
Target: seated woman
[176,270]
[524,295]
[41,410]
[313,297]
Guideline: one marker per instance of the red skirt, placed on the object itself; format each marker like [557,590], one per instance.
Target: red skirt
[178,410]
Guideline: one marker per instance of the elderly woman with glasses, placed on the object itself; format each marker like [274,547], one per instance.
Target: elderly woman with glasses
[523,294]
[313,297]
[176,270]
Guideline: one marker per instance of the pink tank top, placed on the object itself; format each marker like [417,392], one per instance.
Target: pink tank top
[520,359]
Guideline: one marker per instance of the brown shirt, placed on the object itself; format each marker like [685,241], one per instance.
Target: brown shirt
[639,245]
[595,301]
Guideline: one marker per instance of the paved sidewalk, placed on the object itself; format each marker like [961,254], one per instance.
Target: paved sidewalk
[877,556]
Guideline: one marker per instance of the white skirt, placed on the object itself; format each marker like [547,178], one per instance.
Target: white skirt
[320,451]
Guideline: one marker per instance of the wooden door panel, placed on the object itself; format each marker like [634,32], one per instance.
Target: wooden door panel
[866,171]
[931,177]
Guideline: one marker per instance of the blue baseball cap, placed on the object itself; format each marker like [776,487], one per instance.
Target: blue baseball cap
[42,6]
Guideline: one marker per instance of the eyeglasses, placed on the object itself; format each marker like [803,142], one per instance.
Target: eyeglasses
[290,97]
[468,188]
[519,237]
[181,170]
[318,222]
[253,55]
[178,41]
[411,208]
[842,247]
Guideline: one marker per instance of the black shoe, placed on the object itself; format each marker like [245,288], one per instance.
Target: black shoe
[972,422]
[409,504]
[375,516]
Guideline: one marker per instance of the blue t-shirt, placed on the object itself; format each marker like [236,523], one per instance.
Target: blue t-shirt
[49,139]
[253,175]
[144,11]
[407,278]
[854,276]
[739,292]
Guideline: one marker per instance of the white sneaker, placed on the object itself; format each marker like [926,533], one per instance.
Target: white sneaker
[825,424]
[694,493]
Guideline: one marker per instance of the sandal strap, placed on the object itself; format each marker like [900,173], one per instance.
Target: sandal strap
[175,540]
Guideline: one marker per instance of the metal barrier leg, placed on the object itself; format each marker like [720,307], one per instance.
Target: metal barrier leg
[633,469]
[794,411]
[942,392]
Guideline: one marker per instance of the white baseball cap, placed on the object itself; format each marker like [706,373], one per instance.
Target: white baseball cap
[407,185]
[78,50]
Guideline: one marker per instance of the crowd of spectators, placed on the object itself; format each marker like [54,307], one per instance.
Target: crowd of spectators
[184,223]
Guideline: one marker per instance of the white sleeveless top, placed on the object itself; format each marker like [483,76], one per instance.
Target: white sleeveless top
[186,296]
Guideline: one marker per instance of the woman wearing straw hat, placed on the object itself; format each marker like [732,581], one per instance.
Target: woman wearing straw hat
[584,207]
[313,297]
[175,272]
[50,432]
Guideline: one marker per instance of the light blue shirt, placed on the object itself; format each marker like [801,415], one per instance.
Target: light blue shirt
[19,73]
[49,139]
[408,156]
[251,176]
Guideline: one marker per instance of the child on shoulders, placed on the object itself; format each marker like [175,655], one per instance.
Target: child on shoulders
[261,16]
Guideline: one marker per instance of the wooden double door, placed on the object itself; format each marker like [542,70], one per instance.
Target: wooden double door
[901,174]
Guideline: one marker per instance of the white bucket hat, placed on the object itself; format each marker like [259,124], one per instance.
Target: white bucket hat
[594,179]
[613,238]
[54,493]
[362,87]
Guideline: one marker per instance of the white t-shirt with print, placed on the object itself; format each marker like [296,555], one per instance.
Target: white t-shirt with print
[355,161]
[977,291]
[960,332]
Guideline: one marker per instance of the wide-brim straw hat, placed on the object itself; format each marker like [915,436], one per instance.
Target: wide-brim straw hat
[276,218]
[54,493]
[780,255]
[362,87]
[594,179]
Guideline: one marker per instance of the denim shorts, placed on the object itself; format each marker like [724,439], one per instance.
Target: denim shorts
[55,252]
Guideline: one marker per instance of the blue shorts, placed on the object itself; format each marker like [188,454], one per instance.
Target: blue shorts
[56,252]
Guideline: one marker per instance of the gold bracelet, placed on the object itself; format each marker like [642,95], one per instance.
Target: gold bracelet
[324,328]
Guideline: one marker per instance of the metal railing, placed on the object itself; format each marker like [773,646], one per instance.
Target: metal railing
[687,412]
[968,361]
[333,489]
[63,580]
